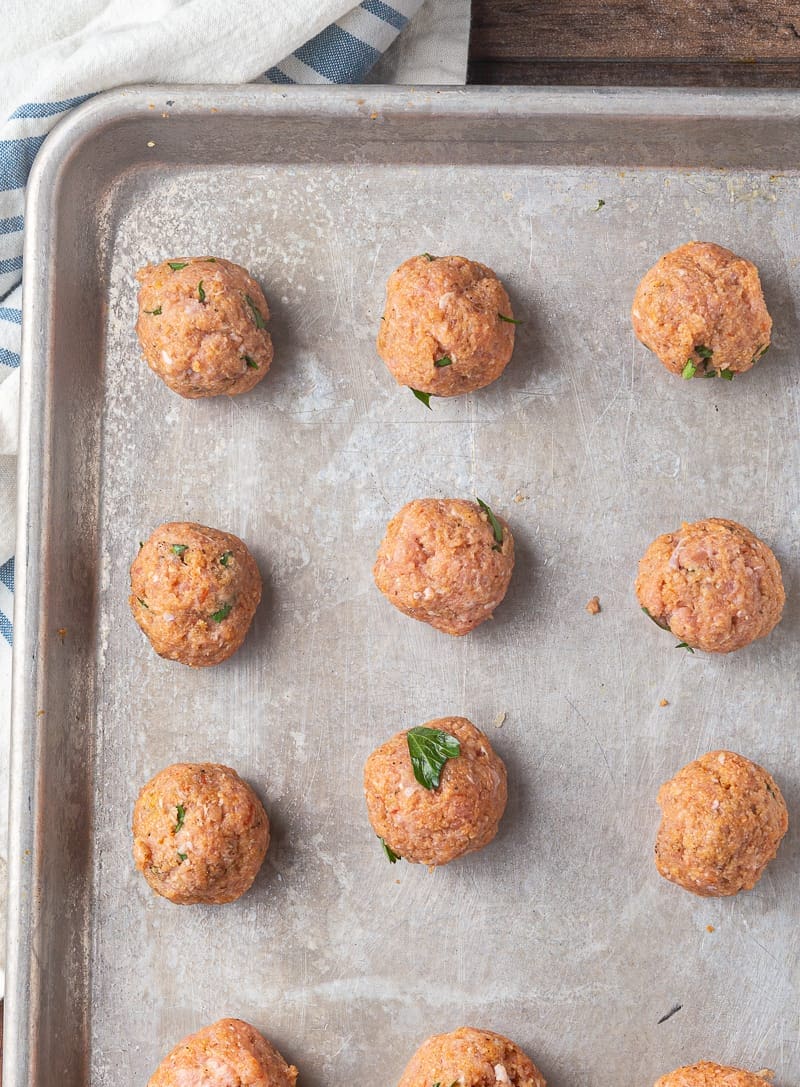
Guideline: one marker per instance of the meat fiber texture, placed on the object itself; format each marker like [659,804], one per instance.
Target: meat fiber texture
[713,584]
[194,592]
[723,818]
[440,562]
[471,1058]
[229,1053]
[202,326]
[443,330]
[708,1074]
[434,826]
[701,304]
[200,834]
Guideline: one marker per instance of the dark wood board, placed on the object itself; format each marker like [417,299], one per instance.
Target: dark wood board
[719,43]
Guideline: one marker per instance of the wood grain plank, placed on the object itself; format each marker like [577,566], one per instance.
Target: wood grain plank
[635,73]
[641,29]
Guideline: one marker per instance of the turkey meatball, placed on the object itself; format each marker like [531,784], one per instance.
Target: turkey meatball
[194,591]
[200,834]
[471,1058]
[434,825]
[229,1053]
[708,1074]
[446,562]
[713,584]
[702,311]
[448,327]
[203,326]
[722,821]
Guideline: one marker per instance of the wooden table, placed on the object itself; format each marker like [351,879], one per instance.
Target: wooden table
[679,43]
[719,43]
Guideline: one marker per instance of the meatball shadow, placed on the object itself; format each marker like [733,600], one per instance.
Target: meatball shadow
[519,807]
[521,596]
[263,628]
[272,875]
[786,329]
[285,346]
[527,347]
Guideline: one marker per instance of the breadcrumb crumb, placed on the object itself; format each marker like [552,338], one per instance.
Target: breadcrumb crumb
[663,702]
[710,928]
[593,607]
[500,719]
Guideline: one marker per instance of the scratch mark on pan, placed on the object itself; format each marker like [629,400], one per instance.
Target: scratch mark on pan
[375,261]
[597,742]
[670,1013]
[766,952]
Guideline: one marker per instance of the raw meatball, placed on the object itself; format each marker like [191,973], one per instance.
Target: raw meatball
[229,1053]
[440,562]
[203,326]
[713,584]
[471,1058]
[723,818]
[200,834]
[434,826]
[194,591]
[708,1074]
[443,330]
[702,311]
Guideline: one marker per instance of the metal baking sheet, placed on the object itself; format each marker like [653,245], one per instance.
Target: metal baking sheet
[560,934]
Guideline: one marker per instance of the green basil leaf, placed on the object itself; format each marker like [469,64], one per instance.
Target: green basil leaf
[445,360]
[600,204]
[684,645]
[508,320]
[257,315]
[181,817]
[178,549]
[424,397]
[223,613]
[183,857]
[201,294]
[251,362]
[497,528]
[154,312]
[176,265]
[430,748]
[703,352]
[390,853]
[225,558]
[689,370]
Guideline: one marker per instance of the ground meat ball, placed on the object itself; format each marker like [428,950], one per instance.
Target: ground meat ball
[200,834]
[440,308]
[440,562]
[471,1058]
[703,305]
[708,1074]
[713,584]
[194,591]
[434,826]
[202,326]
[229,1053]
[723,818]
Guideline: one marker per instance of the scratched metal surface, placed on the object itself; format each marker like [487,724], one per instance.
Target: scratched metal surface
[560,934]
